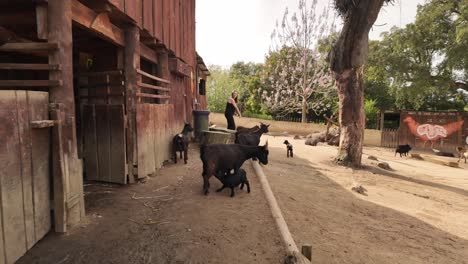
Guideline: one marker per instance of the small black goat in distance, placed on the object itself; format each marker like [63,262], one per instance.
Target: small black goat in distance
[232,180]
[181,141]
[403,150]
[289,149]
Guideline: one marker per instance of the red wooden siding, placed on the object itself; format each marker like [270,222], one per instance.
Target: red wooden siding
[172,22]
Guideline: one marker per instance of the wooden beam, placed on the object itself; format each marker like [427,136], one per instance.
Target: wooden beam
[131,65]
[152,76]
[103,73]
[41,21]
[154,87]
[29,66]
[153,96]
[28,46]
[30,83]
[97,23]
[148,53]
[42,123]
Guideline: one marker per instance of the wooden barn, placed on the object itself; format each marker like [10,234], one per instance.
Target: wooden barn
[443,131]
[89,90]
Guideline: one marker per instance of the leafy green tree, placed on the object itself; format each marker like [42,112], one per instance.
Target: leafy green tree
[249,76]
[219,87]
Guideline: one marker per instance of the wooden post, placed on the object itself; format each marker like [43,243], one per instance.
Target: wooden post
[132,63]
[67,167]
[306,250]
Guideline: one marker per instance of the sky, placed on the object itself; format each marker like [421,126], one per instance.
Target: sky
[228,31]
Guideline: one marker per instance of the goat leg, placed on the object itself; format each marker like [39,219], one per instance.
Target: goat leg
[206,185]
[248,185]
[180,154]
[292,153]
[175,156]
[232,191]
[222,188]
[242,186]
[185,155]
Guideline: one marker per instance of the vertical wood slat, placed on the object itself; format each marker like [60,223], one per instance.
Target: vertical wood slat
[21,205]
[147,12]
[117,148]
[133,9]
[26,163]
[90,143]
[40,153]
[104,142]
[10,180]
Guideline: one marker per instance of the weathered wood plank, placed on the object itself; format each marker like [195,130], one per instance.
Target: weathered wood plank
[10,179]
[40,152]
[145,140]
[148,53]
[99,23]
[41,21]
[42,123]
[102,73]
[153,87]
[28,46]
[158,19]
[91,165]
[59,170]
[148,15]
[30,83]
[29,66]
[152,77]
[25,160]
[153,96]
[133,10]
[117,135]
[104,142]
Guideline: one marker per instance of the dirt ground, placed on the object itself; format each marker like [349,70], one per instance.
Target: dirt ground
[416,213]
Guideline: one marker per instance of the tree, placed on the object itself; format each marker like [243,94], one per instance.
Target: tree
[418,65]
[347,59]
[249,76]
[299,78]
[219,87]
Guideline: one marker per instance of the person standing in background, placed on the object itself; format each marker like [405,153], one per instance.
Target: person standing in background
[231,108]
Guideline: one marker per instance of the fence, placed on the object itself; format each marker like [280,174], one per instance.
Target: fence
[389,138]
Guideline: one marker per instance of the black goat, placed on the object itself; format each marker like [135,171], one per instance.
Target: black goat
[252,139]
[225,157]
[233,180]
[289,149]
[181,141]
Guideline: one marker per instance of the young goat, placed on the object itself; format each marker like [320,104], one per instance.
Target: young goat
[462,153]
[233,180]
[252,139]
[225,157]
[289,149]
[181,141]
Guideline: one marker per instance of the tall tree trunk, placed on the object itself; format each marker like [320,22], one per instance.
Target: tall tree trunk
[351,117]
[304,111]
[347,59]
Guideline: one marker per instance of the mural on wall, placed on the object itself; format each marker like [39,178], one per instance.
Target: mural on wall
[432,132]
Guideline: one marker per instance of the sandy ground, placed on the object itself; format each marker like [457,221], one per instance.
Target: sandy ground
[416,213]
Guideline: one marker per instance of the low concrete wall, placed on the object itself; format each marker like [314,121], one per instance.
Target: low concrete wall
[371,136]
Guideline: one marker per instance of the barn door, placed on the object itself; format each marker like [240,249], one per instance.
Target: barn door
[24,171]
[103,138]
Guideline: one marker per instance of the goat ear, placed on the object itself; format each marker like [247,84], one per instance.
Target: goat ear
[266,144]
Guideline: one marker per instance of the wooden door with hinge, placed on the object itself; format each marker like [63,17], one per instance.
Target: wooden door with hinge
[25,215]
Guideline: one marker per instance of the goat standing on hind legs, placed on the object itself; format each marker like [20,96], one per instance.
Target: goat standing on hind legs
[181,141]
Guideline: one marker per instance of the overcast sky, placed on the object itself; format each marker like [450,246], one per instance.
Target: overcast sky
[229,31]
